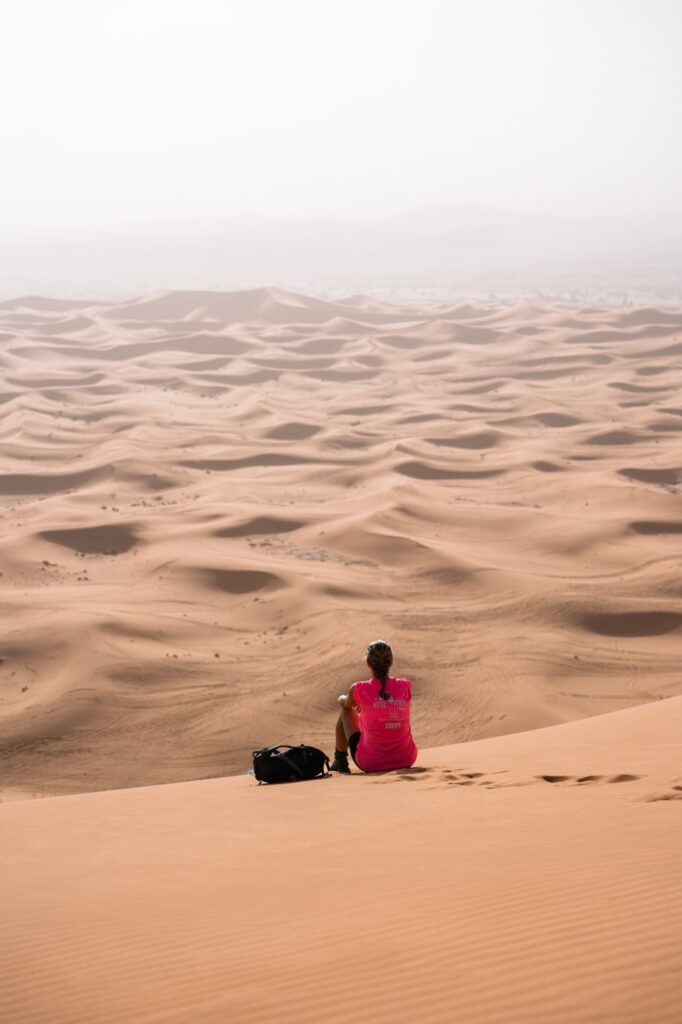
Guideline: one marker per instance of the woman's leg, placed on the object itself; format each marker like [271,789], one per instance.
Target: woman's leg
[347,723]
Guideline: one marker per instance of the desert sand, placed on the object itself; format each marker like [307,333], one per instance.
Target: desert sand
[210,503]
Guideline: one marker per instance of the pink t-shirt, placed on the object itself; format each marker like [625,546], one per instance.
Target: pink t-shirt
[386,739]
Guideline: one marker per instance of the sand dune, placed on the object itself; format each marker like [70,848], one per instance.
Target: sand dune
[483,439]
[195,551]
[325,459]
[537,879]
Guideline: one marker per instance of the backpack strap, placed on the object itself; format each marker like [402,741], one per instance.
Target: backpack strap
[274,750]
[292,764]
[326,774]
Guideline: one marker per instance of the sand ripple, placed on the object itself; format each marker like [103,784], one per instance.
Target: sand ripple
[210,501]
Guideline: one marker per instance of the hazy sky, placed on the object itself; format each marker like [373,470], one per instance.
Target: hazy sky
[144,110]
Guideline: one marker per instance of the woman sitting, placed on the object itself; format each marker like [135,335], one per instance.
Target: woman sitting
[375,719]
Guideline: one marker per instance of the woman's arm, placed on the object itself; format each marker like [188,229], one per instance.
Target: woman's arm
[346,700]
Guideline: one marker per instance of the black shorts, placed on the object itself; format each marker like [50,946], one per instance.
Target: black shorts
[353,741]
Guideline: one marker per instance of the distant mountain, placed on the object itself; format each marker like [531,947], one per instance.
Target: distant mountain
[274,305]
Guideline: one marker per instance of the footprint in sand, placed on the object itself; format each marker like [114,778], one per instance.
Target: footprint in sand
[581,780]
[675,793]
[457,777]
[411,774]
[447,775]
[407,774]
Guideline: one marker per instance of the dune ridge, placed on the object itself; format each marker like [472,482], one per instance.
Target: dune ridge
[217,495]
[539,880]
[194,552]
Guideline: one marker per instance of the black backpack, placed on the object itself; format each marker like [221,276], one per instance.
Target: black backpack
[286,763]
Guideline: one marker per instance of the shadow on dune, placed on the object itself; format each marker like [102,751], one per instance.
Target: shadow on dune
[108,539]
[631,624]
